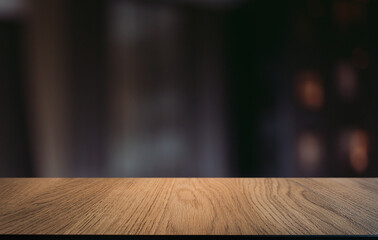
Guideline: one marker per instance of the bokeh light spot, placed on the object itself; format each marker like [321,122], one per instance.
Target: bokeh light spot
[346,81]
[358,150]
[310,90]
[309,152]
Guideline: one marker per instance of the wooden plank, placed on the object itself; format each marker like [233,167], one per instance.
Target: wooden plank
[247,206]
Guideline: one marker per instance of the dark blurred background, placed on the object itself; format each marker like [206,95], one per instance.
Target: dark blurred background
[171,88]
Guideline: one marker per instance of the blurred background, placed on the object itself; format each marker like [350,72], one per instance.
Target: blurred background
[188,88]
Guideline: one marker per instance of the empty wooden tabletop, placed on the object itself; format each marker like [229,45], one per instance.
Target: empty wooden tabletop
[247,206]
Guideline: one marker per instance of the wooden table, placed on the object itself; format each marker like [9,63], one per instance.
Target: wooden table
[247,206]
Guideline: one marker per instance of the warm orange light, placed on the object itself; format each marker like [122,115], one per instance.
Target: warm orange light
[358,150]
[310,90]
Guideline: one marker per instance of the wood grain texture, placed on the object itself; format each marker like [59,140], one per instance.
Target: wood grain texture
[262,206]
